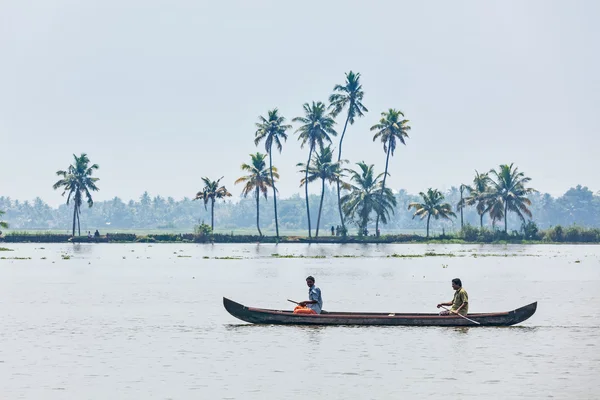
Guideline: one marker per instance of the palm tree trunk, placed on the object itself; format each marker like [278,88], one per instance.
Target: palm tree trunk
[320,207]
[258,211]
[461,209]
[274,192]
[212,215]
[338,179]
[306,188]
[428,218]
[387,161]
[74,217]
[78,222]
[505,216]
[481,220]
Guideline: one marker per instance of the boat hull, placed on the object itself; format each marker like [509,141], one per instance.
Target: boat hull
[283,317]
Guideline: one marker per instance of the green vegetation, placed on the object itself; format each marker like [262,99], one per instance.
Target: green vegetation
[257,180]
[348,95]
[367,196]
[432,206]
[77,181]
[391,129]
[2,223]
[316,128]
[211,192]
[272,130]
[5,249]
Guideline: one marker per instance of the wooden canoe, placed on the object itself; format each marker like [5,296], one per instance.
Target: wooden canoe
[286,317]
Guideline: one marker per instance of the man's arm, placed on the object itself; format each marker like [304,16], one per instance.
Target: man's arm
[444,304]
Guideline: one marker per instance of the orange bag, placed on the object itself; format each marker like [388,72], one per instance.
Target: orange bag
[303,310]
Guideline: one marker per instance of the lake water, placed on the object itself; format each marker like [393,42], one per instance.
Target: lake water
[139,321]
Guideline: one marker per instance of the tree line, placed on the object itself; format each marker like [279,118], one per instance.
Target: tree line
[361,195]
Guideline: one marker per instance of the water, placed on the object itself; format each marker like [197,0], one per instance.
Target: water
[139,321]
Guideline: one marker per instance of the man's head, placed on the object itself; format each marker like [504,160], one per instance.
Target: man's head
[456,284]
[310,281]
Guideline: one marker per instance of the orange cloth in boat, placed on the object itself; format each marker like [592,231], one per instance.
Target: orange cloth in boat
[303,310]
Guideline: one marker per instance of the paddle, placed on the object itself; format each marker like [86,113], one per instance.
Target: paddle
[462,316]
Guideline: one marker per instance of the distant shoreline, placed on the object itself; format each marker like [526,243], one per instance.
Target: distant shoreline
[248,239]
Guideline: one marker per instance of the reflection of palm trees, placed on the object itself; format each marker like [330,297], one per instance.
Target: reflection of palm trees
[390,129]
[322,168]
[367,196]
[350,94]
[257,180]
[316,128]
[432,206]
[273,130]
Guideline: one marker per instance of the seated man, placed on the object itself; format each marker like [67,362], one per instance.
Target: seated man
[314,302]
[460,302]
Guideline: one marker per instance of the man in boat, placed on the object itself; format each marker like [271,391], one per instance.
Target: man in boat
[315,301]
[460,302]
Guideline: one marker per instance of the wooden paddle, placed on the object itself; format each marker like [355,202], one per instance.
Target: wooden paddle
[462,316]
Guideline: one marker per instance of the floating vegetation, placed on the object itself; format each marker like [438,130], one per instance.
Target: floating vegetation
[15,258]
[228,258]
[205,257]
[43,258]
[5,249]
[405,255]
[346,256]
[65,256]
[182,256]
[432,254]
[294,256]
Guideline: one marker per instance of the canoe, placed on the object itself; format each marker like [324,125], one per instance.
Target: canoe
[286,317]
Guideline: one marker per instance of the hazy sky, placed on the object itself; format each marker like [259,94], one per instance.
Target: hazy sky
[160,93]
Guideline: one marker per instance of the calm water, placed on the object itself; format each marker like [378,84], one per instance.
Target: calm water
[146,322]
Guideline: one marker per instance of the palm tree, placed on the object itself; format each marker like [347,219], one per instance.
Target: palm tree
[478,194]
[432,206]
[322,168]
[462,203]
[272,129]
[77,180]
[257,180]
[508,192]
[367,196]
[316,128]
[211,192]
[2,223]
[350,94]
[390,129]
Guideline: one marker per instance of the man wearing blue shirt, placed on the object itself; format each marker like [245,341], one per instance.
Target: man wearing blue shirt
[315,301]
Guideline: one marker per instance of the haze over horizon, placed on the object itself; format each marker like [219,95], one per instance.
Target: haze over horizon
[162,93]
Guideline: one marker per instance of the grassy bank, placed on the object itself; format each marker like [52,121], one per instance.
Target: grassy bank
[468,235]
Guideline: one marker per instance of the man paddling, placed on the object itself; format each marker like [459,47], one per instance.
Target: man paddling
[315,301]
[460,302]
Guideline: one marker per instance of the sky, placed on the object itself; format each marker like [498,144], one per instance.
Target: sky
[162,93]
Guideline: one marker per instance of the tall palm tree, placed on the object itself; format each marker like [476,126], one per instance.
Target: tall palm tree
[316,128]
[273,130]
[508,192]
[325,169]
[432,206]
[3,224]
[211,192]
[349,94]
[257,180]
[478,194]
[78,181]
[462,203]
[391,129]
[367,196]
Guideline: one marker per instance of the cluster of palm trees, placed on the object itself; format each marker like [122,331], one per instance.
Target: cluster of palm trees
[362,198]
[497,193]
[2,223]
[367,196]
